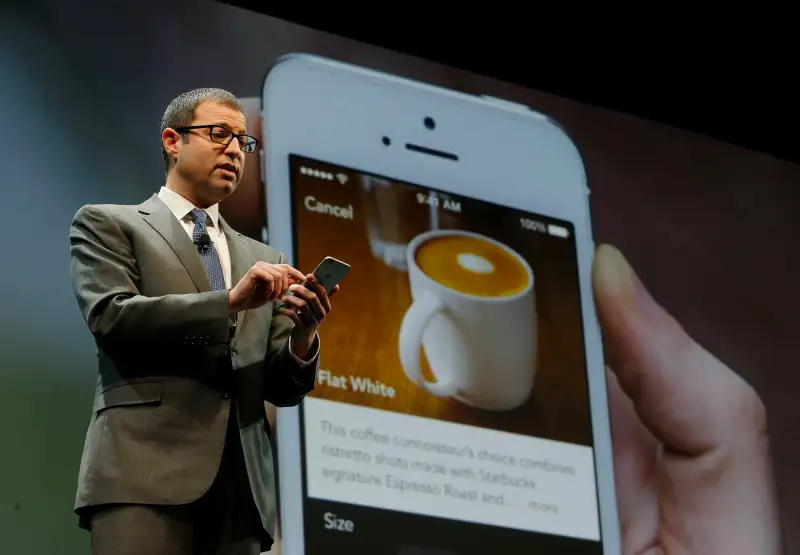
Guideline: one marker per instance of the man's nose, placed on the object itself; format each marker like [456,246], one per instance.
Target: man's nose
[234,149]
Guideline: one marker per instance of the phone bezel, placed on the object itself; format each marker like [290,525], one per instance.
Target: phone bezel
[343,114]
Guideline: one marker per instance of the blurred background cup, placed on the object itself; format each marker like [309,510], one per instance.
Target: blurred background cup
[394,216]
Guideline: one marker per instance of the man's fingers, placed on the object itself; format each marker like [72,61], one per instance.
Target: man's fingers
[290,277]
[293,316]
[322,295]
[288,274]
[270,278]
[686,397]
[284,281]
[312,295]
[293,273]
[262,274]
[293,302]
[298,304]
[310,300]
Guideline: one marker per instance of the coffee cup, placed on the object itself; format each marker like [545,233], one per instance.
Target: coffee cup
[473,312]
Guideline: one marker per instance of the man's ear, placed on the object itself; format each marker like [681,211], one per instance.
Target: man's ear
[171,140]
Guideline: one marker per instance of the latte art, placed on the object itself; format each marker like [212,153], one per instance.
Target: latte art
[475,263]
[472,266]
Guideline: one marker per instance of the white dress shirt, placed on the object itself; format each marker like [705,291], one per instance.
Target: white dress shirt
[182,209]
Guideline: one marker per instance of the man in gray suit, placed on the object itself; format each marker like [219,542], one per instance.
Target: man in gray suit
[194,331]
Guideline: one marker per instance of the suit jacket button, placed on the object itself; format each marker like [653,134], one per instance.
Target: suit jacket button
[226,395]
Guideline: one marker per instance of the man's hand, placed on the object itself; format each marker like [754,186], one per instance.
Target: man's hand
[263,283]
[307,306]
[691,459]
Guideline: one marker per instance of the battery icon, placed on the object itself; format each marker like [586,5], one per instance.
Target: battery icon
[557,230]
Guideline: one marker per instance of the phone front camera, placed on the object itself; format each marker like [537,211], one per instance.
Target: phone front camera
[429,122]
[387,141]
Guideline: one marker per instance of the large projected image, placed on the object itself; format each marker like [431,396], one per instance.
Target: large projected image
[470,308]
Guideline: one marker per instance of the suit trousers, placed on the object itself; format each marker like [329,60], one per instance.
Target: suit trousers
[224,521]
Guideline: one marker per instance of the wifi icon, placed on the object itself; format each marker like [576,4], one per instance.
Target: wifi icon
[341,178]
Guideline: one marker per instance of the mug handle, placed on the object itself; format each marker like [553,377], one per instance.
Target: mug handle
[414,324]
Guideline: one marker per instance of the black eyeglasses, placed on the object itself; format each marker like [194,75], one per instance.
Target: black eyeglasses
[225,136]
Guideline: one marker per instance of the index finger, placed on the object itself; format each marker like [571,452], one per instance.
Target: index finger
[293,273]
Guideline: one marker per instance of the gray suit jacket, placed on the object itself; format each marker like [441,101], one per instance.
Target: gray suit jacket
[167,364]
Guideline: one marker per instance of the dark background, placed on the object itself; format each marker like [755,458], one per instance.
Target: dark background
[729,74]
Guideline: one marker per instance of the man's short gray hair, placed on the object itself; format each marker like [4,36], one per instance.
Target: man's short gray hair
[180,111]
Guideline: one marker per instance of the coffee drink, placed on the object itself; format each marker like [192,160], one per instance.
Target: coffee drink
[473,313]
[472,266]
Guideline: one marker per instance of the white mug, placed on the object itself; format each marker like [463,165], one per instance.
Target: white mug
[482,350]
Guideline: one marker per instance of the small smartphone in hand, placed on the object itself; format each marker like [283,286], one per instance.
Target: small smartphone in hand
[330,272]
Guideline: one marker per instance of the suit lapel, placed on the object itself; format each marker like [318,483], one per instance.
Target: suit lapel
[156,213]
[241,257]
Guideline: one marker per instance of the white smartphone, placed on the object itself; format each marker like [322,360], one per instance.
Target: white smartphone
[460,406]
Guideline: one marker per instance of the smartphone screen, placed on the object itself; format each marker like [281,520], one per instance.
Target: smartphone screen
[451,410]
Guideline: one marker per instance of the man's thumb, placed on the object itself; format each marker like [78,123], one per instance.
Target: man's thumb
[686,397]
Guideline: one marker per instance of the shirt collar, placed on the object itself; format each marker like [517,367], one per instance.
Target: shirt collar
[181,207]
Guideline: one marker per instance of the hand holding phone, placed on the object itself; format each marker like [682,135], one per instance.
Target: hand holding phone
[306,306]
[261,284]
[328,274]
